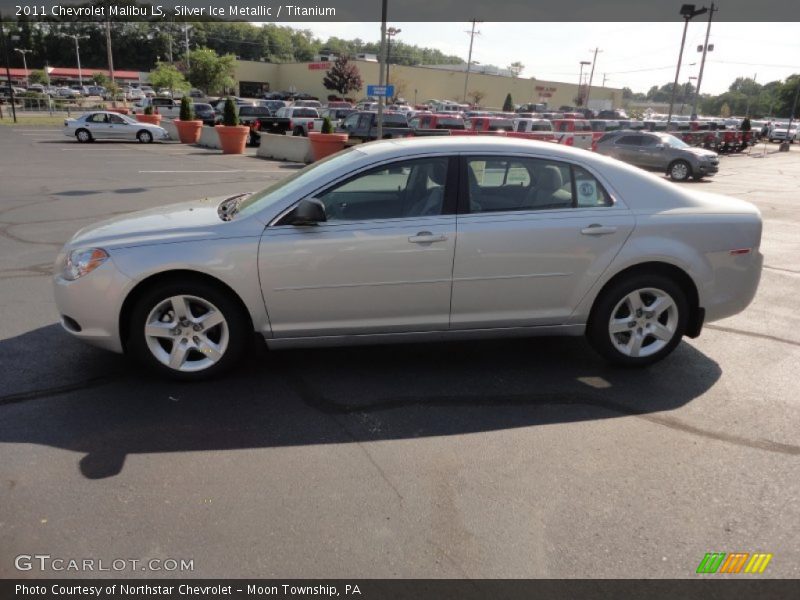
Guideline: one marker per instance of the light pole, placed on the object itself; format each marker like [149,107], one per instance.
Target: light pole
[77,37]
[8,70]
[683,104]
[186,41]
[706,49]
[688,12]
[390,33]
[24,51]
[580,82]
[381,63]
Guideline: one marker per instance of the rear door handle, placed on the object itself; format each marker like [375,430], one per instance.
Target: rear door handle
[597,229]
[426,237]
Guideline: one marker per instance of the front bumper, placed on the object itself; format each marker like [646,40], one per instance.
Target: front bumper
[707,169]
[90,306]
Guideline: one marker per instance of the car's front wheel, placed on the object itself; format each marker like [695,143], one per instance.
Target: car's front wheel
[188,330]
[638,320]
[144,137]
[680,170]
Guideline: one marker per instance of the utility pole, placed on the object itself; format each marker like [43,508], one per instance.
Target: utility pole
[711,12]
[605,78]
[591,76]
[381,64]
[472,35]
[688,12]
[8,70]
[109,53]
[186,41]
[747,110]
[25,64]
[580,83]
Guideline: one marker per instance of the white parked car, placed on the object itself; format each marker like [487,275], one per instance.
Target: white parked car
[416,239]
[104,125]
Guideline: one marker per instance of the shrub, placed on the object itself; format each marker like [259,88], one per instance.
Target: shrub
[148,110]
[187,110]
[508,105]
[230,117]
[327,126]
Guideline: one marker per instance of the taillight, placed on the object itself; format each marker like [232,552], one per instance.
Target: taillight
[739,251]
[570,141]
[311,124]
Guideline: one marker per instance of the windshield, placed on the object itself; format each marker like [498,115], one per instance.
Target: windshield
[280,189]
[671,140]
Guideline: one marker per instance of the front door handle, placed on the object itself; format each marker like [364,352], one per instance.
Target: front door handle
[426,237]
[597,229]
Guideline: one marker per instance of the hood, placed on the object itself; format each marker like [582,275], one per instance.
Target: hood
[185,221]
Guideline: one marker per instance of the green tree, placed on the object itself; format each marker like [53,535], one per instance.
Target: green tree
[211,72]
[37,76]
[508,105]
[167,76]
[343,76]
[516,68]
[100,79]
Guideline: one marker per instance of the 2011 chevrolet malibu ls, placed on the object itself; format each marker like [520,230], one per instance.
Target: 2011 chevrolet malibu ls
[416,239]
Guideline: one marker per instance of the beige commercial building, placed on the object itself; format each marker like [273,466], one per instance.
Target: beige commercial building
[419,84]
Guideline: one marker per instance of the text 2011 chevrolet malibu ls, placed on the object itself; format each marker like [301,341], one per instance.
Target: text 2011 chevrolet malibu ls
[417,239]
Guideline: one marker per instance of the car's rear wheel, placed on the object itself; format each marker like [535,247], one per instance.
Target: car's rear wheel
[638,320]
[680,170]
[188,330]
[144,137]
[298,131]
[83,136]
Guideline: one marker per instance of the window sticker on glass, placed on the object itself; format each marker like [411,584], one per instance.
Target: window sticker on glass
[587,192]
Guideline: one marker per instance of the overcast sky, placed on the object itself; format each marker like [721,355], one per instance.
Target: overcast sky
[636,55]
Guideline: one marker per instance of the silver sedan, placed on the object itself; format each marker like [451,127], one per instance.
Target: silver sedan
[418,239]
[106,125]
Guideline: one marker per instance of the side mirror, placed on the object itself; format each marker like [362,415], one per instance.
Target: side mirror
[309,211]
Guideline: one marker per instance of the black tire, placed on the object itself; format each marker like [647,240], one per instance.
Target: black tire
[144,137]
[298,131]
[240,332]
[597,330]
[683,168]
[83,136]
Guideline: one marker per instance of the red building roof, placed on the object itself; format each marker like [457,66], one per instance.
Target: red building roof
[73,73]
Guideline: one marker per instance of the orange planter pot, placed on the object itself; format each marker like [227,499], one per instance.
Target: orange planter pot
[188,131]
[152,119]
[232,138]
[325,144]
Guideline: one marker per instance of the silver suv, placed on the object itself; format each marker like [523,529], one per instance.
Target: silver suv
[660,151]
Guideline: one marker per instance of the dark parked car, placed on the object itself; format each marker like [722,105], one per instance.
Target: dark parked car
[205,112]
[363,125]
[659,151]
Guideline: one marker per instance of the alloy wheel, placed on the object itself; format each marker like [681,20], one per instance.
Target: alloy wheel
[643,322]
[186,333]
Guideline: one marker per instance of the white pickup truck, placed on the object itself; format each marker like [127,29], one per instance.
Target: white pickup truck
[166,107]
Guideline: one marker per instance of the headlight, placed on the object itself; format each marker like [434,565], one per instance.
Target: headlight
[84,261]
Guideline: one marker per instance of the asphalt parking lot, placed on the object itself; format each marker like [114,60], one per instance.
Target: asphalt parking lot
[526,458]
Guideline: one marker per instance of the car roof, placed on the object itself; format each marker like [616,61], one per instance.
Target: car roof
[444,144]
